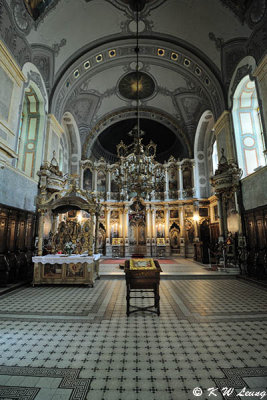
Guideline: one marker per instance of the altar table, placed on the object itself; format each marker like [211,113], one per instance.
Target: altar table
[61,269]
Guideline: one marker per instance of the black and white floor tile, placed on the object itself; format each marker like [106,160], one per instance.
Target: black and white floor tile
[77,343]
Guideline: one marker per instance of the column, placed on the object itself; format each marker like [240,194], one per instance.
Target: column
[182,231]
[108,223]
[91,237]
[120,223]
[95,180]
[166,192]
[82,178]
[148,231]
[96,232]
[220,215]
[108,184]
[167,228]
[167,221]
[196,222]
[40,232]
[108,246]
[148,222]
[153,232]
[126,222]
[126,229]
[193,179]
[153,223]
[181,184]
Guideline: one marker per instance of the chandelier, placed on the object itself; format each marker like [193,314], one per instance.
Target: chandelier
[138,172]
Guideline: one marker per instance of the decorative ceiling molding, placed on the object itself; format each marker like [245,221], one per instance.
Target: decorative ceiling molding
[250,11]
[128,6]
[12,37]
[174,58]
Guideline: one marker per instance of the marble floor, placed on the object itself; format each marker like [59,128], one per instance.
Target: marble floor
[77,342]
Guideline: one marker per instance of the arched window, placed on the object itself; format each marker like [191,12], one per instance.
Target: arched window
[214,157]
[30,144]
[248,128]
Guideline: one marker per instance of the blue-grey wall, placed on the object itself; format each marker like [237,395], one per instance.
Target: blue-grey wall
[254,189]
[17,190]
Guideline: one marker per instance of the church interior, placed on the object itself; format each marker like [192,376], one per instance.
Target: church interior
[133,201]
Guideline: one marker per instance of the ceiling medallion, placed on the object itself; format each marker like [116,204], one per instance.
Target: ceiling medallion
[130,85]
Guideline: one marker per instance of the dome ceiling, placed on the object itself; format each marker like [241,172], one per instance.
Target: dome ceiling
[106,142]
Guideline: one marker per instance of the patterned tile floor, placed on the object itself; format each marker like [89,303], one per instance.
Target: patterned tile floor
[77,343]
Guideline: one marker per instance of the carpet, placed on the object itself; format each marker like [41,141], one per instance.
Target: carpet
[121,261]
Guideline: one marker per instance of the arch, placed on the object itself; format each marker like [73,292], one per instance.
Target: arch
[204,140]
[129,113]
[74,142]
[31,133]
[248,128]
[245,67]
[34,75]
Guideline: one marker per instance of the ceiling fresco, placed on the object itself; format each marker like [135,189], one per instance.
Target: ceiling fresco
[187,54]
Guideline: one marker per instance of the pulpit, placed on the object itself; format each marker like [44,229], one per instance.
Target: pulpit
[142,276]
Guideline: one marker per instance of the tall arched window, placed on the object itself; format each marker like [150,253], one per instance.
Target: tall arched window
[215,160]
[248,128]
[31,133]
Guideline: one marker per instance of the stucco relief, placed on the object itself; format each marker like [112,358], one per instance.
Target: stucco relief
[15,41]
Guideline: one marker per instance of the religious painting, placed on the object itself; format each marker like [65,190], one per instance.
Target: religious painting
[36,7]
[173,179]
[53,271]
[142,263]
[72,213]
[203,212]
[142,234]
[114,214]
[160,230]
[114,187]
[173,214]
[187,178]
[189,213]
[133,233]
[88,180]
[75,270]
[117,242]
[159,214]
[175,239]
[114,231]
[161,242]
[101,181]
[137,206]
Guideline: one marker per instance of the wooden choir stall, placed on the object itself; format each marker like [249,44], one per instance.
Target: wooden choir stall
[142,276]
[73,255]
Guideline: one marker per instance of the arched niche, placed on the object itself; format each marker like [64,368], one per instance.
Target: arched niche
[74,142]
[203,146]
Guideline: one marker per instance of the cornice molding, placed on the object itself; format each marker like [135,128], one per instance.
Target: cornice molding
[11,65]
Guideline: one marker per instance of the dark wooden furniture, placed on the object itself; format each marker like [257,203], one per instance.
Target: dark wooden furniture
[17,232]
[142,280]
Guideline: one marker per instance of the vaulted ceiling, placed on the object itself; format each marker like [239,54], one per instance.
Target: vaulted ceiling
[85,50]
